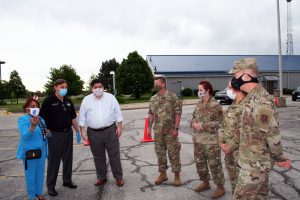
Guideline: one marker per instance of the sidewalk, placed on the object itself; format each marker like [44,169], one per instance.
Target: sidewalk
[131,106]
[144,105]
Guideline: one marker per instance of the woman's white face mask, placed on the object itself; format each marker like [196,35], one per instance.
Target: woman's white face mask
[34,111]
[201,94]
[231,94]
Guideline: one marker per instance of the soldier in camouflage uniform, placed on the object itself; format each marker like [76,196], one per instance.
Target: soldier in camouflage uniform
[165,111]
[229,136]
[207,119]
[260,143]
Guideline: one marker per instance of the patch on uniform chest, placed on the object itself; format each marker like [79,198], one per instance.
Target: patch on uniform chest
[264,118]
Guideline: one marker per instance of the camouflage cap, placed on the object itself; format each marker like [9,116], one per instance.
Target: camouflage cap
[245,63]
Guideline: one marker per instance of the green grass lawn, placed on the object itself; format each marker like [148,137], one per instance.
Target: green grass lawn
[126,99]
[12,108]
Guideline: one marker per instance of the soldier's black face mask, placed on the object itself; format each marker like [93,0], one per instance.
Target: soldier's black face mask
[236,83]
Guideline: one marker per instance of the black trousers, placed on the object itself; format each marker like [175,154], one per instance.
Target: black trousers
[60,147]
[109,141]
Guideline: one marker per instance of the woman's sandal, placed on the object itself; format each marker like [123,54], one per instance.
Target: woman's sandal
[40,197]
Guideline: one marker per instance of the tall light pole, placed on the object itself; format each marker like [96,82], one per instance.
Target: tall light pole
[1,62]
[114,81]
[279,50]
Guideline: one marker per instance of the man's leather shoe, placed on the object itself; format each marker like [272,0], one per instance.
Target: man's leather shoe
[52,192]
[100,182]
[120,182]
[70,185]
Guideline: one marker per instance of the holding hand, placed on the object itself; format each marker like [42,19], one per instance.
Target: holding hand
[34,121]
[285,164]
[197,126]
[83,134]
[119,130]
[174,133]
[225,148]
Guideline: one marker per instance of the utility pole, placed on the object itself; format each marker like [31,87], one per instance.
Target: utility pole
[289,32]
[279,50]
[114,82]
[1,63]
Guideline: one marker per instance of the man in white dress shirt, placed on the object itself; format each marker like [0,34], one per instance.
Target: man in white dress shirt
[101,114]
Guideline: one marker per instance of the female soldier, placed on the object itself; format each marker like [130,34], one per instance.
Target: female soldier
[207,118]
[229,134]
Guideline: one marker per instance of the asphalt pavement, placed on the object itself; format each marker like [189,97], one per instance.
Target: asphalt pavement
[140,164]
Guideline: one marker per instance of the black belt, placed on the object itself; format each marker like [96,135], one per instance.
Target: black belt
[101,129]
[62,130]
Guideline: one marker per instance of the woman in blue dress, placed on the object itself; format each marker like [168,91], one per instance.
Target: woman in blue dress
[32,136]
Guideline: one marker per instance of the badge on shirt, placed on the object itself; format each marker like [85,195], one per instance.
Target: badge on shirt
[265,116]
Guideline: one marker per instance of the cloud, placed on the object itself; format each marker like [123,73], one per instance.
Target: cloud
[38,35]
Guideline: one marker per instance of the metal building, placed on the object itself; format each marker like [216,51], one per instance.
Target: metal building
[186,71]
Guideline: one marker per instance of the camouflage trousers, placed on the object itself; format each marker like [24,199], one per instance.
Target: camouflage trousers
[164,142]
[231,166]
[252,184]
[209,154]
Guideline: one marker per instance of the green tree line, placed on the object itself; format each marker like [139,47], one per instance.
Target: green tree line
[133,77]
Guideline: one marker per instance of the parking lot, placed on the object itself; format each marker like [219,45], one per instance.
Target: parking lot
[140,164]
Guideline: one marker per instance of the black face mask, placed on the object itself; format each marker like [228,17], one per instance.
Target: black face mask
[236,83]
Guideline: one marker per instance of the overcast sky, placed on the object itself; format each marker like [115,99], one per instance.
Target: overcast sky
[36,35]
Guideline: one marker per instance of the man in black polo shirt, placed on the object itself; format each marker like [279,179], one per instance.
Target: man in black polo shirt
[59,114]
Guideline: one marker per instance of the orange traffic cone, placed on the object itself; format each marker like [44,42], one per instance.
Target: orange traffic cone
[87,142]
[146,138]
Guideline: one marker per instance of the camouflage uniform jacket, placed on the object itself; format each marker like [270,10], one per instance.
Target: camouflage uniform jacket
[260,142]
[210,116]
[164,107]
[229,133]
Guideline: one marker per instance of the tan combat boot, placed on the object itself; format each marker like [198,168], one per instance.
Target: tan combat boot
[219,192]
[177,181]
[203,186]
[162,178]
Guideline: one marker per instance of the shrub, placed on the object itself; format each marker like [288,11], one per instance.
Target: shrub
[287,91]
[120,99]
[196,92]
[2,102]
[187,92]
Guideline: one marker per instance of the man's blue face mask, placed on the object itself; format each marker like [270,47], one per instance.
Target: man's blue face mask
[63,91]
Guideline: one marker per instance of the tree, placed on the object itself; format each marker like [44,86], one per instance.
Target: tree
[67,72]
[93,76]
[4,92]
[12,97]
[104,73]
[16,86]
[134,76]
